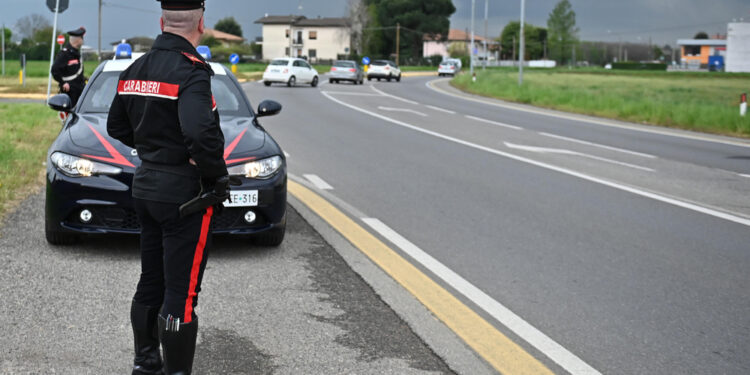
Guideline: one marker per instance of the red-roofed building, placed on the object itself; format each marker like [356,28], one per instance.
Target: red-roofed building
[434,46]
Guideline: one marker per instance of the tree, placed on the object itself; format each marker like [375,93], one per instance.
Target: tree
[535,39]
[27,26]
[701,35]
[209,41]
[561,26]
[8,34]
[229,25]
[417,19]
[359,19]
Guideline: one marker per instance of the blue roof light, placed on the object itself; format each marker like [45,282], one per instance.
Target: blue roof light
[123,51]
[204,51]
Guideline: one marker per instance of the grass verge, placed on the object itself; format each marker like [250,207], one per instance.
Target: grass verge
[707,103]
[26,131]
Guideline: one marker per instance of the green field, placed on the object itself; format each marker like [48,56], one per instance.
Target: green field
[707,102]
[26,131]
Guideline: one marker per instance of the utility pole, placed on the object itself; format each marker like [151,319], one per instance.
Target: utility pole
[514,49]
[486,53]
[99,53]
[3,49]
[471,47]
[52,52]
[520,48]
[398,42]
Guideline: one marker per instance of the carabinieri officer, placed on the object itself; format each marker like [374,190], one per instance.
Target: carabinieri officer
[164,109]
[67,69]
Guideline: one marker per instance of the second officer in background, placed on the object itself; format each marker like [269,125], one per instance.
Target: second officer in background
[67,69]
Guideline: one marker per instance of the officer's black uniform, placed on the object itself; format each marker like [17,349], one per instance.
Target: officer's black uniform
[68,68]
[165,110]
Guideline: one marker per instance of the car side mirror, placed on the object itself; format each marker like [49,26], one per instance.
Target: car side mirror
[60,102]
[268,108]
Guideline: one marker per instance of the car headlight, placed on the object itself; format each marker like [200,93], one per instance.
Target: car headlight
[264,168]
[75,166]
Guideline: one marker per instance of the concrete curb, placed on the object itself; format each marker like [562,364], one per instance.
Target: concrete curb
[419,74]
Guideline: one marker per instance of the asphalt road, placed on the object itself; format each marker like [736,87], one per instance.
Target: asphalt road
[296,309]
[625,244]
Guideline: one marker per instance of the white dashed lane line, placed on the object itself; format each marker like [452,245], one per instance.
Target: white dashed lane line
[494,122]
[440,109]
[318,182]
[391,109]
[598,145]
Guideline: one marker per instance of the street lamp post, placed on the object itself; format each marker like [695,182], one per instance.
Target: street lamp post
[486,53]
[471,47]
[521,47]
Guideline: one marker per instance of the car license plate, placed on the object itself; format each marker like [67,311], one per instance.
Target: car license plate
[242,198]
[274,70]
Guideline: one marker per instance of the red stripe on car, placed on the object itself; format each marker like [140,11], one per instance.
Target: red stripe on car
[115,156]
[231,147]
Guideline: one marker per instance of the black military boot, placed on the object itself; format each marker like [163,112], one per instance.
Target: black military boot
[146,339]
[178,343]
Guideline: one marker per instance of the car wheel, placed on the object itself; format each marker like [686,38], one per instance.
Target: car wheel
[314,82]
[361,81]
[272,237]
[267,83]
[369,78]
[398,79]
[378,79]
[55,237]
[292,81]
[330,81]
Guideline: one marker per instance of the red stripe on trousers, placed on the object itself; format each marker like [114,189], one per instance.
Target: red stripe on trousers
[197,260]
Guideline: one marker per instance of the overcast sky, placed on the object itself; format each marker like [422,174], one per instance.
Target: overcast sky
[664,21]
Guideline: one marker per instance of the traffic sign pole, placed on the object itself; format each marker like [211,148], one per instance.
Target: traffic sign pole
[52,50]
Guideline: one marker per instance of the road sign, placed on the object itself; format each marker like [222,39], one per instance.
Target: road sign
[365,60]
[234,58]
[63,5]
[61,39]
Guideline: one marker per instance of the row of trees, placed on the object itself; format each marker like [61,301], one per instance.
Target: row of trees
[556,42]
[376,23]
[34,34]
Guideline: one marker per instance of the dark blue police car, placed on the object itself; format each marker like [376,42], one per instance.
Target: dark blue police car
[89,174]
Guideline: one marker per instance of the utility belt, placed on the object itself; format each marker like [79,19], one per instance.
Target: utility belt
[187,169]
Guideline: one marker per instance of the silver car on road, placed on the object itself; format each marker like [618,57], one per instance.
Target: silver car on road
[346,70]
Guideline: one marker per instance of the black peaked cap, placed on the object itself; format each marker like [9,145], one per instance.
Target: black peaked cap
[77,32]
[181,4]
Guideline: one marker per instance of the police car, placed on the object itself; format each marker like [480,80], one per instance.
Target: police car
[89,174]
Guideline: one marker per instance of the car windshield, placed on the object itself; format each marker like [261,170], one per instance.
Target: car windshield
[380,63]
[229,100]
[344,64]
[279,62]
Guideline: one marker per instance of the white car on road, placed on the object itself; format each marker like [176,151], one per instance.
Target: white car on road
[290,71]
[448,68]
[384,69]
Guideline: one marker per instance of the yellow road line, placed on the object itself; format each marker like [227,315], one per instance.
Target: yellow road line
[22,96]
[498,350]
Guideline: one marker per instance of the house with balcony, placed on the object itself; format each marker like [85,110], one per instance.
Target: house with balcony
[299,36]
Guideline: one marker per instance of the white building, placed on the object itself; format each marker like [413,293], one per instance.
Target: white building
[738,47]
[298,36]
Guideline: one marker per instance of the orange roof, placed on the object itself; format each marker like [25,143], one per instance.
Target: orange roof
[457,35]
[220,35]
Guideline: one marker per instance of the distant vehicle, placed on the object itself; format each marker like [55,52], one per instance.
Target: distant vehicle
[290,71]
[346,70]
[89,174]
[455,61]
[384,69]
[448,68]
